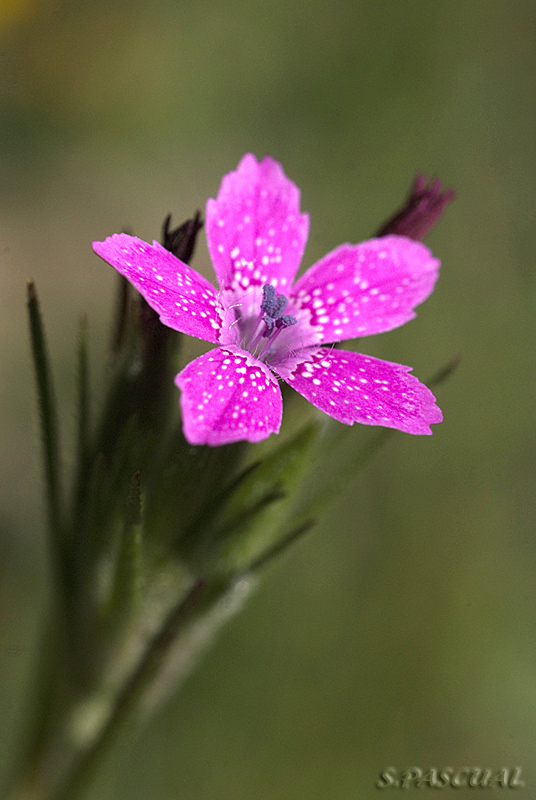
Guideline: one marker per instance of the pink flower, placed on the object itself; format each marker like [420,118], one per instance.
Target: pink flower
[267,325]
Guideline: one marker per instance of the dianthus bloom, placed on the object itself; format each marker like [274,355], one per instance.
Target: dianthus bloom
[269,326]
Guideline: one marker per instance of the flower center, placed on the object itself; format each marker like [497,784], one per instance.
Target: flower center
[259,331]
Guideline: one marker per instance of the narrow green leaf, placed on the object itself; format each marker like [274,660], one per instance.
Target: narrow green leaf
[248,514]
[333,485]
[213,505]
[279,470]
[83,392]
[249,524]
[49,423]
[349,468]
[116,412]
[279,546]
[445,372]
[119,325]
[129,578]
[83,434]
[187,489]
[108,488]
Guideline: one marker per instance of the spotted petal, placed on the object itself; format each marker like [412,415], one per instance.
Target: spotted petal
[184,299]
[355,388]
[255,231]
[357,290]
[227,395]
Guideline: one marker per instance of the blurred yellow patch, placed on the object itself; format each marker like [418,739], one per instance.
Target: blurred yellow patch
[13,10]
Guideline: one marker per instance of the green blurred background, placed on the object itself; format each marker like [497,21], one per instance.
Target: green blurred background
[402,631]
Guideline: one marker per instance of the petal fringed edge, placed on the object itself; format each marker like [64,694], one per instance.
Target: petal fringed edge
[182,297]
[255,231]
[227,395]
[372,287]
[356,388]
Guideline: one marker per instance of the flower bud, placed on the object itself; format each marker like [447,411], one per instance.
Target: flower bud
[423,208]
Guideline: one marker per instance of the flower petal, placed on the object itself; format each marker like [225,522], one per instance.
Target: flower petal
[357,290]
[184,299]
[227,395]
[355,388]
[255,232]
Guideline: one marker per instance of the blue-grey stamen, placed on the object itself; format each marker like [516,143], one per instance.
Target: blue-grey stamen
[282,303]
[285,321]
[269,300]
[273,305]
[270,322]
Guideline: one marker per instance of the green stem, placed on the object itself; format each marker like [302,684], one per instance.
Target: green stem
[129,698]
